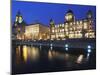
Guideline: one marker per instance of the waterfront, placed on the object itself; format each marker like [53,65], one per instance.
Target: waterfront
[36,59]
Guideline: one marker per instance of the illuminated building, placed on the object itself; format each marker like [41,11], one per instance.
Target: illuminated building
[73,28]
[19,26]
[36,32]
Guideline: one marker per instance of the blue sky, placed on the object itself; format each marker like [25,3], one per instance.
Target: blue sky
[43,12]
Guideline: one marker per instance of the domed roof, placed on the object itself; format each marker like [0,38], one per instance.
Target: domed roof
[69,16]
[89,14]
[70,11]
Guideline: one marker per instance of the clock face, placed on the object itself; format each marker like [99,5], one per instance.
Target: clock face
[69,17]
[20,19]
[16,18]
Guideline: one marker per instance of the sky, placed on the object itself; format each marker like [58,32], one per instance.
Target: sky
[42,12]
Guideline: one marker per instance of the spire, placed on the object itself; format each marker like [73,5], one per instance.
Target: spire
[89,14]
[52,23]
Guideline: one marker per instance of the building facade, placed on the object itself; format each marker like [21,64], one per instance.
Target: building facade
[36,32]
[73,28]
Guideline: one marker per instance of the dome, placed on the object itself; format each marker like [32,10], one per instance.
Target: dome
[69,16]
[89,14]
[70,11]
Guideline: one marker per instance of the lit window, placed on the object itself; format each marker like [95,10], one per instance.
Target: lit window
[20,19]
[56,30]
[62,30]
[66,29]
[62,25]
[80,22]
[85,25]
[77,22]
[53,31]
[86,35]
[74,23]
[71,23]
[71,35]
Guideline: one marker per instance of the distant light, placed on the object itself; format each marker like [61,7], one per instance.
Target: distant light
[66,49]
[88,54]
[89,46]
[89,50]
[66,45]
[51,45]
[51,48]
[40,46]
[34,40]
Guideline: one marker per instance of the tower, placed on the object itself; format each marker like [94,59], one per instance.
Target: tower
[52,28]
[89,14]
[19,18]
[69,17]
[19,25]
[52,23]
[91,27]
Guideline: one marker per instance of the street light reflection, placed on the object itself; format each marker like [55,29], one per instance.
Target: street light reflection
[79,59]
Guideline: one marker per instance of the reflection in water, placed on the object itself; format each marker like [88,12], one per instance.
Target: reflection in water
[40,46]
[18,54]
[66,56]
[79,59]
[18,51]
[88,55]
[52,54]
[31,53]
[34,54]
[25,53]
[35,58]
[51,48]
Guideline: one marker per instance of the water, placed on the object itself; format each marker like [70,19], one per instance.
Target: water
[36,59]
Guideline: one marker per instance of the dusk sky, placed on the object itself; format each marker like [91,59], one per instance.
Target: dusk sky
[43,12]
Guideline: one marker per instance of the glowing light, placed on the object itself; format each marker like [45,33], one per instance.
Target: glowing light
[51,48]
[88,54]
[50,55]
[34,53]
[89,46]
[66,49]
[66,45]
[25,55]
[89,50]
[80,58]
[40,47]
[51,44]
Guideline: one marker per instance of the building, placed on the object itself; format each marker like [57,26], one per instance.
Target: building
[36,31]
[73,28]
[23,31]
[18,29]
